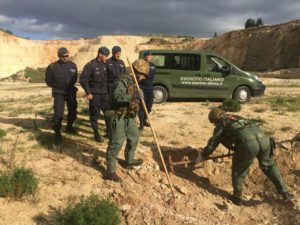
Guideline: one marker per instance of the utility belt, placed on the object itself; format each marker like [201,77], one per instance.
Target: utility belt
[123,113]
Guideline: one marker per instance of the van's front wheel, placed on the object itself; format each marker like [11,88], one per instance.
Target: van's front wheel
[242,94]
[160,94]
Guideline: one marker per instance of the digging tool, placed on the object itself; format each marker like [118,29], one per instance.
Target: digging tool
[152,129]
[205,159]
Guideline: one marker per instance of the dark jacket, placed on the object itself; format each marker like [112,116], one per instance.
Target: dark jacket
[61,77]
[93,77]
[115,68]
[147,83]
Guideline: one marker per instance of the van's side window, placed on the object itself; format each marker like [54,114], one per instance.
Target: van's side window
[214,63]
[185,61]
[159,61]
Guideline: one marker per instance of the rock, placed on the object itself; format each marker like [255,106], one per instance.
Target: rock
[163,186]
[164,181]
[182,189]
[125,208]
[156,167]
[247,197]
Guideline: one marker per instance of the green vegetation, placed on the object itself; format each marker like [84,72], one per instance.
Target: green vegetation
[291,104]
[252,23]
[35,75]
[163,41]
[18,183]
[231,105]
[2,134]
[259,110]
[91,211]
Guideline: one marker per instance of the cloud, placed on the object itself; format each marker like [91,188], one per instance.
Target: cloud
[75,19]
[30,25]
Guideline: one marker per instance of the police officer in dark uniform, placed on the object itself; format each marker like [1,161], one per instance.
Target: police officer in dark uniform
[147,86]
[61,76]
[93,80]
[115,68]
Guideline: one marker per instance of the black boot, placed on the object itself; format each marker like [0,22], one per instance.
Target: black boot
[236,200]
[57,138]
[113,177]
[287,197]
[136,162]
[71,130]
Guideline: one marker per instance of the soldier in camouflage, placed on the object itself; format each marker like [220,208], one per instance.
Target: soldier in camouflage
[248,142]
[126,105]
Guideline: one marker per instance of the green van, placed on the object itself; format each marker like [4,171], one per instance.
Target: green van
[195,74]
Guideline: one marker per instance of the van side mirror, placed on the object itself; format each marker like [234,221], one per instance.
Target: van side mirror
[225,69]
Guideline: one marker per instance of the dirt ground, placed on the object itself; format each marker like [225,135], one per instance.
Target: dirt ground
[77,167]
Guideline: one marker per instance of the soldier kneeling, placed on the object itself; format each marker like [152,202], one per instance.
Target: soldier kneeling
[248,142]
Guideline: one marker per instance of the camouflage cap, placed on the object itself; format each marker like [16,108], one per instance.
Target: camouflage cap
[141,66]
[215,114]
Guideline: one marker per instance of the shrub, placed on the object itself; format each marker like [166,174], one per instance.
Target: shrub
[18,183]
[231,105]
[250,23]
[35,75]
[92,211]
[5,185]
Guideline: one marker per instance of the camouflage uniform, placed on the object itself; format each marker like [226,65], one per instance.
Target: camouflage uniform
[126,105]
[248,142]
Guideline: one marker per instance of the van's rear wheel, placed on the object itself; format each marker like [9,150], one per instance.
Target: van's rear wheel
[160,94]
[242,94]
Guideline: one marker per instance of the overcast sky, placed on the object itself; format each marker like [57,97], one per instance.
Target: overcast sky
[69,19]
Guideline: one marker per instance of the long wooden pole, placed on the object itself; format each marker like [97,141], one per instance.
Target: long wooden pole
[152,129]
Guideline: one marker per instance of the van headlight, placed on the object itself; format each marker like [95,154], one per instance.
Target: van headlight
[257,78]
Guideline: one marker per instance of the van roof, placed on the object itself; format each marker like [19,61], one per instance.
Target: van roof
[177,51]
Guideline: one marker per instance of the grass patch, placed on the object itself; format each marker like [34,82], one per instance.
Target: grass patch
[92,211]
[231,105]
[18,183]
[259,110]
[291,104]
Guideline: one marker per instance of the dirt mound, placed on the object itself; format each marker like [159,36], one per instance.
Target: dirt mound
[259,49]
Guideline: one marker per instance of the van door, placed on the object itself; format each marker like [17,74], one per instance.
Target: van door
[217,82]
[185,74]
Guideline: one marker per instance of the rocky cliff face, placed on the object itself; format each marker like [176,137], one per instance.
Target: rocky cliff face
[259,49]
[16,53]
